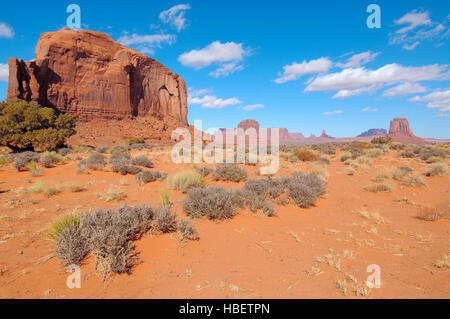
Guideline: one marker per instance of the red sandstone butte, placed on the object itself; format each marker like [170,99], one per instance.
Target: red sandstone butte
[88,74]
[400,131]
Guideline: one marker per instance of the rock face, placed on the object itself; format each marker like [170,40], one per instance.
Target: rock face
[246,124]
[88,74]
[374,132]
[400,131]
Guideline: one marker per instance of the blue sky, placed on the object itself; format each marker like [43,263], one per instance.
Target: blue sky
[303,65]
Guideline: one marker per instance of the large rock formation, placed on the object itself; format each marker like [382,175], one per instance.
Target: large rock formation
[88,74]
[400,131]
[374,132]
[246,124]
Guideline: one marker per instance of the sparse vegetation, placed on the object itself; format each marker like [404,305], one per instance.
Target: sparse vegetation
[165,220]
[142,161]
[305,189]
[146,177]
[211,202]
[437,169]
[186,230]
[229,172]
[306,155]
[183,181]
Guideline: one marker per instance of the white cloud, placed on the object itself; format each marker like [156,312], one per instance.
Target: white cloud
[227,69]
[413,19]
[355,81]
[211,101]
[4,72]
[436,100]
[193,92]
[148,42]
[252,107]
[419,27]
[175,16]
[369,109]
[333,112]
[404,89]
[6,31]
[359,59]
[149,39]
[226,55]
[296,70]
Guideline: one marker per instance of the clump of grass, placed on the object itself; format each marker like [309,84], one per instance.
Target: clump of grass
[363,160]
[374,216]
[320,172]
[229,172]
[165,197]
[124,182]
[37,172]
[306,155]
[183,181]
[375,152]
[22,159]
[187,231]
[76,188]
[379,188]
[112,195]
[62,223]
[404,174]
[443,262]
[37,187]
[52,191]
[136,140]
[346,156]
[437,169]
[441,211]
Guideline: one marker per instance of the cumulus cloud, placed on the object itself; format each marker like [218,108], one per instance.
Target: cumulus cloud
[369,109]
[359,59]
[404,89]
[4,72]
[213,102]
[296,70]
[354,81]
[252,107]
[417,27]
[175,16]
[148,42]
[198,92]
[333,112]
[439,100]
[227,55]
[6,31]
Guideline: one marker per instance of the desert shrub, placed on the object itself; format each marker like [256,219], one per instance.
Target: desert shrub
[76,188]
[37,172]
[119,154]
[187,230]
[361,145]
[305,189]
[381,140]
[52,191]
[356,152]
[429,153]
[374,152]
[306,155]
[437,169]
[433,159]
[407,154]
[62,223]
[346,156]
[397,146]
[21,160]
[124,169]
[28,126]
[323,161]
[229,172]
[165,220]
[293,159]
[320,172]
[142,161]
[47,159]
[102,149]
[136,140]
[95,161]
[204,170]
[185,180]
[440,211]
[211,202]
[112,195]
[146,177]
[363,160]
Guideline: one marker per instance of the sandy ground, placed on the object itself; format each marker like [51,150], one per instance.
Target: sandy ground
[320,252]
